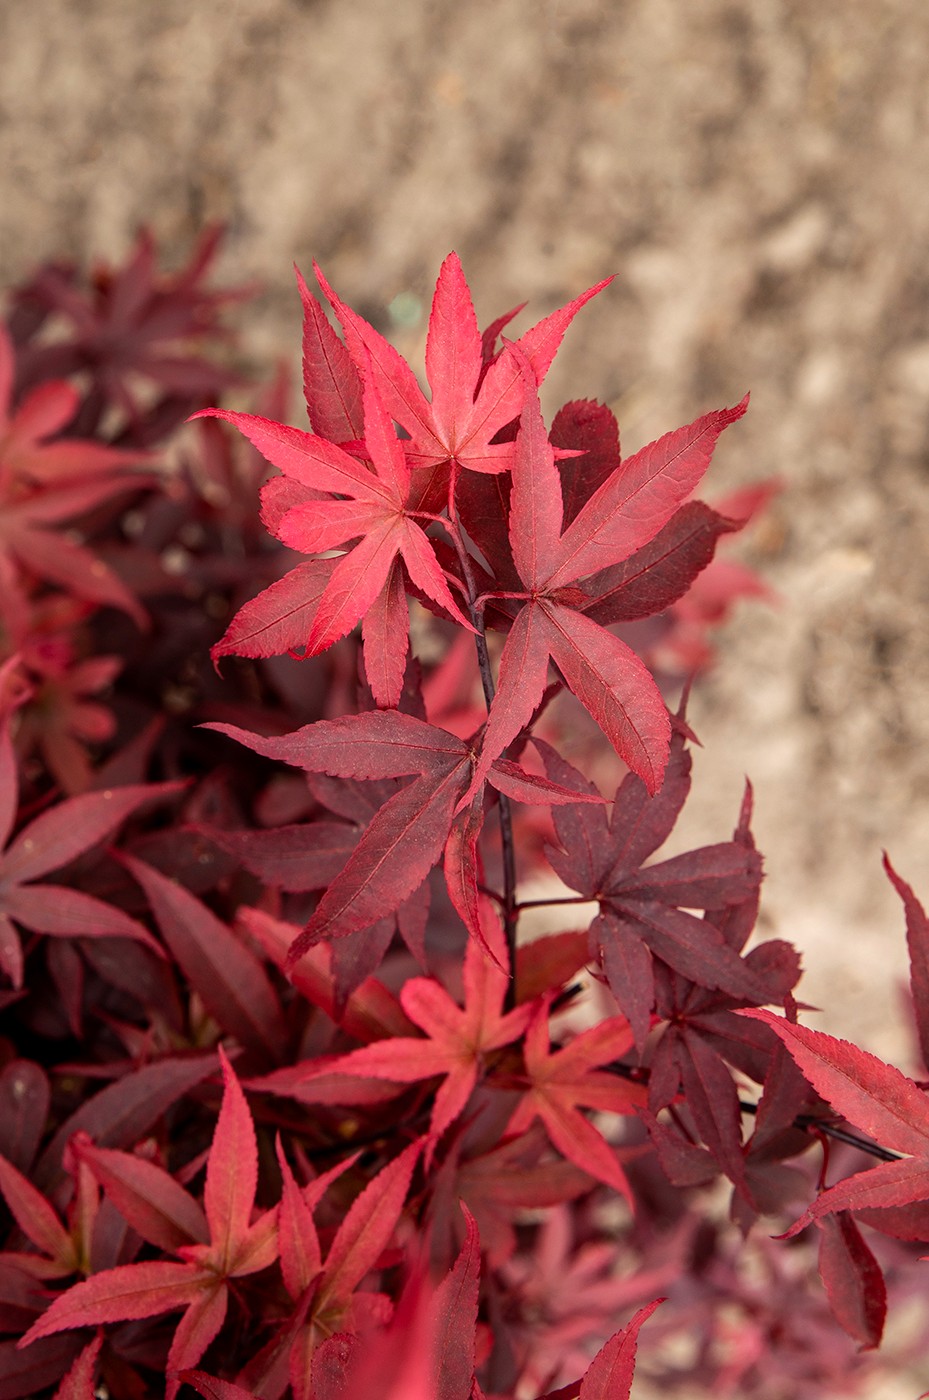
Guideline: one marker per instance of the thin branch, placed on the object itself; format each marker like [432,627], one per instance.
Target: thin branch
[508,850]
[549,903]
[806,1122]
[809,1123]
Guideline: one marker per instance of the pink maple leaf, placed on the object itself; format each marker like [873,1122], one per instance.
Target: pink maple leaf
[563,1081]
[457,1039]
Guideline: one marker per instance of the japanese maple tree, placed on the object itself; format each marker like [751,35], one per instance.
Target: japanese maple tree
[291,1101]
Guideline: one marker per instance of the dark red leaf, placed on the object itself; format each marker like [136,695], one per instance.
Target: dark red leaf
[125,1111]
[546,964]
[683,1162]
[658,574]
[853,1279]
[25,1374]
[230,979]
[72,827]
[592,429]
[377,744]
[641,496]
[711,1096]
[393,857]
[917,942]
[24,1101]
[872,1095]
[304,857]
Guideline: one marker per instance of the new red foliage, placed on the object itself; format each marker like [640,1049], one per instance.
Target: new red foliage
[397,1190]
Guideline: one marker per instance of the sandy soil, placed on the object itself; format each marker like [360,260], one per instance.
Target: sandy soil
[756,174]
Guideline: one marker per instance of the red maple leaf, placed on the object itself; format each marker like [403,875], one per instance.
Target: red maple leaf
[917,942]
[325,1292]
[874,1097]
[852,1278]
[645,910]
[371,1012]
[31,448]
[569,1293]
[702,1036]
[133,321]
[457,1039]
[80,1381]
[651,580]
[626,511]
[48,554]
[891,1109]
[563,1081]
[471,399]
[213,1245]
[407,836]
[499,1184]
[221,968]
[51,840]
[61,713]
[332,385]
[46,482]
[610,1374]
[332,498]
[63,1251]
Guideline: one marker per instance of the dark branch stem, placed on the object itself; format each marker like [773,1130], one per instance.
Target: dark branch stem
[874,1149]
[508,902]
[807,1122]
[491,894]
[811,1124]
[548,903]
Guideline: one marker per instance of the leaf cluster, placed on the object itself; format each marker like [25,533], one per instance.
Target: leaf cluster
[290,1102]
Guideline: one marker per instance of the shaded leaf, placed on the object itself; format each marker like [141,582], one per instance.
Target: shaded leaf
[231,981]
[454,1319]
[24,1102]
[853,1279]
[124,1112]
[917,942]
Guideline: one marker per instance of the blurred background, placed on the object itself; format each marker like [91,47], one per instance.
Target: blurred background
[756,174]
